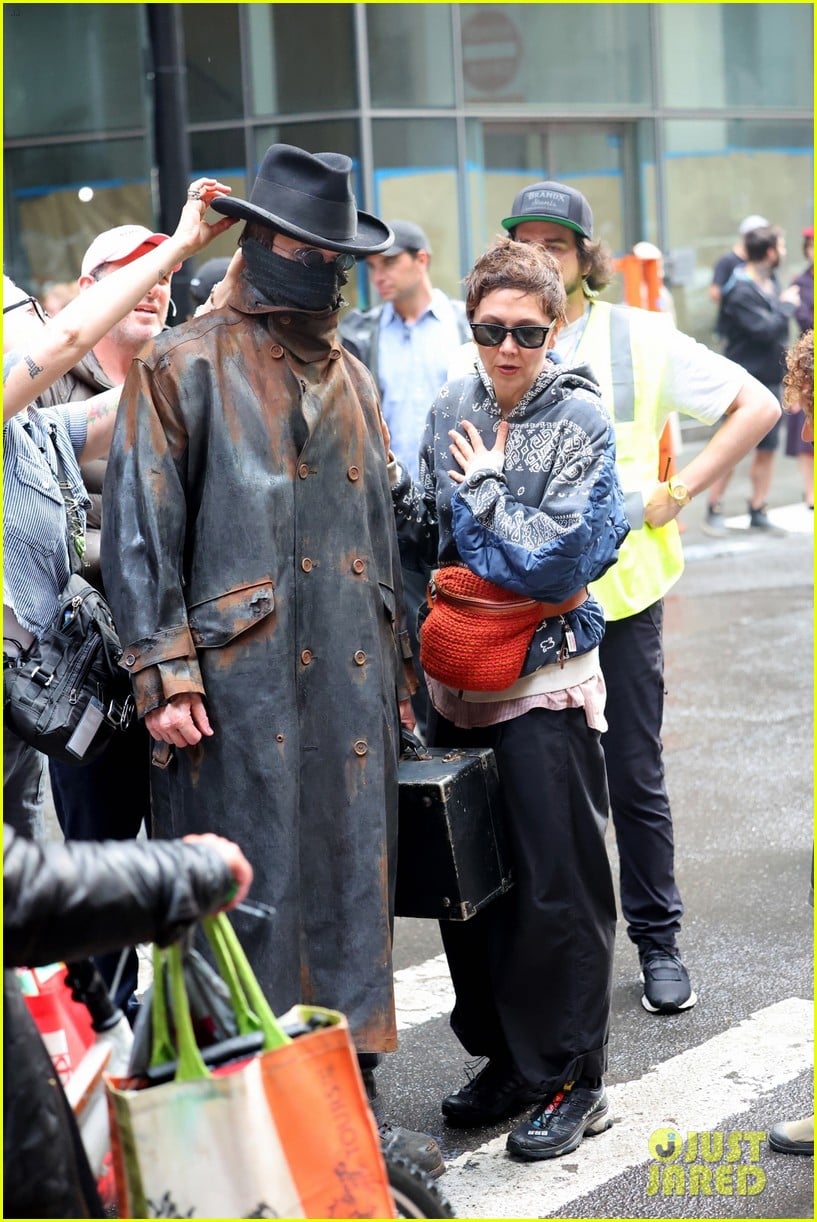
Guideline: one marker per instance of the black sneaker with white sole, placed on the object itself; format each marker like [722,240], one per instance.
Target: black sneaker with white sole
[559,1125]
[667,988]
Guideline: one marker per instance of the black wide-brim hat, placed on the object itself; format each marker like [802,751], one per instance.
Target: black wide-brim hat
[309,196]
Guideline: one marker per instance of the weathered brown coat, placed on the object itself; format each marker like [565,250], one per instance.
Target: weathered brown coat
[250,553]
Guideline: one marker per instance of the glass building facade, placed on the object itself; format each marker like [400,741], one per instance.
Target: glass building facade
[676,120]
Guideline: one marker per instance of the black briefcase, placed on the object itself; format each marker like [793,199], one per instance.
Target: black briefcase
[451,857]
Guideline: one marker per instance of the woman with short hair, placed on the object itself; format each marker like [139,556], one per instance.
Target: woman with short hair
[517,509]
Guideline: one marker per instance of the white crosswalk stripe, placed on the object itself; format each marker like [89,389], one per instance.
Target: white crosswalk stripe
[422,992]
[691,1092]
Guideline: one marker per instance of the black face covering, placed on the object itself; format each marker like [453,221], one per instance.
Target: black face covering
[288,282]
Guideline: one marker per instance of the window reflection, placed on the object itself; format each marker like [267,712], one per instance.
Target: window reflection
[722,55]
[410,55]
[415,169]
[302,57]
[87,75]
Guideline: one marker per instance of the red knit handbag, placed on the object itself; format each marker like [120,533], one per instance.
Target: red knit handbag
[477,634]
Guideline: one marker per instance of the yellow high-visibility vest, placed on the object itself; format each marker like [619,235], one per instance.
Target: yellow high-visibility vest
[627,351]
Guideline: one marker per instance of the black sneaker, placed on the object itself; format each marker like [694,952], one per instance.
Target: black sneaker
[573,1113]
[667,987]
[760,520]
[495,1092]
[416,1148]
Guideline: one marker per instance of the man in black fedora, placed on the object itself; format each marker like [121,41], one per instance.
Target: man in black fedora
[253,569]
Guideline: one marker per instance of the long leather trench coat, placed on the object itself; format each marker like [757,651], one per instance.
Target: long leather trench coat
[249,553]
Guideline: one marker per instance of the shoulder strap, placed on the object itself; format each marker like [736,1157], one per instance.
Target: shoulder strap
[74,523]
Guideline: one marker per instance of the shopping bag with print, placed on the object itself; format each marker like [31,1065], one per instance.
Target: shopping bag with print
[281,1131]
[63,1023]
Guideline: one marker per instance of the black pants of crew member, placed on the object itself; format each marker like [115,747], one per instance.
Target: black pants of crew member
[107,800]
[532,971]
[632,659]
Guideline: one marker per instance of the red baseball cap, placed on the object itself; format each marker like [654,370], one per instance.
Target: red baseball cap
[120,245]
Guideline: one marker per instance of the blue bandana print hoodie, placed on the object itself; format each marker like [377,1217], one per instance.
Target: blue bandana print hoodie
[552,522]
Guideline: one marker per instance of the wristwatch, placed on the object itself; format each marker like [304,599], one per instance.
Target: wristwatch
[678,491]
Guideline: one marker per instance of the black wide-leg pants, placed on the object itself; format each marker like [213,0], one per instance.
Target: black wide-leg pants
[532,971]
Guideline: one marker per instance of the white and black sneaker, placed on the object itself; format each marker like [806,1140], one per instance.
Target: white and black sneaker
[667,988]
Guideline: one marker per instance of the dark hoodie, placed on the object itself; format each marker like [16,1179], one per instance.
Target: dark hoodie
[755,328]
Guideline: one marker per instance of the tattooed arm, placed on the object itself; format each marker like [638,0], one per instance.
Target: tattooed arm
[101,419]
[100,413]
[48,351]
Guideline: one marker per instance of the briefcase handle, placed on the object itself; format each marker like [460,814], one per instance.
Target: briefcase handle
[410,746]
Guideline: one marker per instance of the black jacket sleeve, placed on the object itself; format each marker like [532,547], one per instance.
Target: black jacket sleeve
[750,313]
[66,901]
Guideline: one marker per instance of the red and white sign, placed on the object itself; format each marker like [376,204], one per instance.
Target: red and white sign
[491,50]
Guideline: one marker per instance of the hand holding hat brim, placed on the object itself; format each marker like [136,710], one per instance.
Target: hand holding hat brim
[193,233]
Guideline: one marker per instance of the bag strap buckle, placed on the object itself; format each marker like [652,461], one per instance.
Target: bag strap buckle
[41,676]
[119,713]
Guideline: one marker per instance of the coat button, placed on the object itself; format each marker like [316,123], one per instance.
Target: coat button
[358,565]
[353,473]
[361,747]
[306,656]
[130,659]
[284,319]
[306,564]
[303,470]
[360,657]
[277,350]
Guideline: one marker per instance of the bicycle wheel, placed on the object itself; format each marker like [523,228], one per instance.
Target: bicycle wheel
[415,1194]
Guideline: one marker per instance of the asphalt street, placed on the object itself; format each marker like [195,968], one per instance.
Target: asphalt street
[738,747]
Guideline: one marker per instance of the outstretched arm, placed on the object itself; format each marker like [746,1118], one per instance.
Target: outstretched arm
[64,901]
[64,340]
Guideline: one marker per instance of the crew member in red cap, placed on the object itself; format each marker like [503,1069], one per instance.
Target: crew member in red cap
[110,797]
[108,361]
